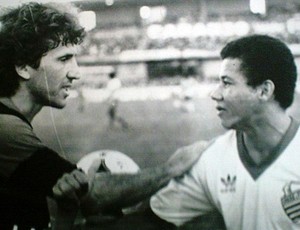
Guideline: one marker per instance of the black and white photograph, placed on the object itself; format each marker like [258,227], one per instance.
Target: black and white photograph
[149,114]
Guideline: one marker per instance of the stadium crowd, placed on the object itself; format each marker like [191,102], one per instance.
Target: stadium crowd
[279,22]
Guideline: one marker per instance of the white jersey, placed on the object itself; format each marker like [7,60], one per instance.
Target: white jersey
[249,197]
[114,84]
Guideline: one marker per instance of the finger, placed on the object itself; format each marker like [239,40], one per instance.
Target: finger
[80,176]
[66,190]
[83,182]
[56,191]
[70,181]
[94,167]
[66,187]
[72,186]
[60,194]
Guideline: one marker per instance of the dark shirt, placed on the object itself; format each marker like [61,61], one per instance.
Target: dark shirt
[28,171]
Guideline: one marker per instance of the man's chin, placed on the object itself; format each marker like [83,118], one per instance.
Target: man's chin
[58,105]
[226,125]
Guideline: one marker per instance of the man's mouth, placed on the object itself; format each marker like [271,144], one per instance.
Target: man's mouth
[220,110]
[66,87]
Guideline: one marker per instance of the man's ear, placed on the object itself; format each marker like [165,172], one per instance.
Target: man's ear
[23,72]
[267,89]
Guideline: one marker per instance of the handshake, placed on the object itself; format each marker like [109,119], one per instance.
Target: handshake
[110,180]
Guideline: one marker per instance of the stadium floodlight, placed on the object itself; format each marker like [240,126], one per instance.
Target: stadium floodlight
[199,29]
[169,31]
[228,29]
[293,24]
[214,29]
[241,28]
[109,2]
[145,12]
[153,14]
[258,6]
[154,31]
[184,29]
[87,19]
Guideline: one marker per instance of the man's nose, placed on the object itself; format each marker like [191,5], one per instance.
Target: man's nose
[216,94]
[74,72]
[74,75]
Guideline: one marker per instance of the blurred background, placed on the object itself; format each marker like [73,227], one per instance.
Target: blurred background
[166,55]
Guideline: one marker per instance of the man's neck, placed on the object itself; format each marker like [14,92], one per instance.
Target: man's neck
[25,105]
[262,139]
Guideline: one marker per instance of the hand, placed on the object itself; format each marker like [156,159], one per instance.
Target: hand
[71,187]
[94,168]
[185,157]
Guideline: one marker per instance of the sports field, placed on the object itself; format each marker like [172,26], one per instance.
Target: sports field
[157,128]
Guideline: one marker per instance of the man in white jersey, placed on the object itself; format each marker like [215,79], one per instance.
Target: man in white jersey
[251,174]
[113,86]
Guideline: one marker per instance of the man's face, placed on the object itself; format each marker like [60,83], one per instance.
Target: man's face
[50,83]
[237,103]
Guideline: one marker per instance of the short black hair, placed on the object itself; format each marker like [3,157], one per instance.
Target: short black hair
[266,58]
[28,32]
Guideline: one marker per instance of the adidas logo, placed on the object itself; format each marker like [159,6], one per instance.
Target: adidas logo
[228,184]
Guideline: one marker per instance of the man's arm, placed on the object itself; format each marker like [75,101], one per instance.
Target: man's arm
[121,190]
[65,208]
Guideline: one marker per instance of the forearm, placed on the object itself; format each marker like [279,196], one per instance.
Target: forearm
[121,190]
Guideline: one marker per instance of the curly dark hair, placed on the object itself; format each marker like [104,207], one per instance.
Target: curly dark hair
[266,58]
[28,32]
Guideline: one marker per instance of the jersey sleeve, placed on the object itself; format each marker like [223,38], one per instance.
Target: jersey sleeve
[182,199]
[28,172]
[39,173]
[25,163]
[17,143]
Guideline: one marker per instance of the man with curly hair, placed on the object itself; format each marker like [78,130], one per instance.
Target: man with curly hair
[37,67]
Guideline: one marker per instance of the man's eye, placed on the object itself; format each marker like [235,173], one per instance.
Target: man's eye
[226,83]
[64,59]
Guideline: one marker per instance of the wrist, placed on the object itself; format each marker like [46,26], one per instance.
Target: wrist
[167,171]
[88,203]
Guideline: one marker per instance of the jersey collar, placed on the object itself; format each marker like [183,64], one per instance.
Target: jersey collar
[256,170]
[8,107]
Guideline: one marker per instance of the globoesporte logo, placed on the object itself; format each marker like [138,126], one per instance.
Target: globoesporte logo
[228,184]
[291,201]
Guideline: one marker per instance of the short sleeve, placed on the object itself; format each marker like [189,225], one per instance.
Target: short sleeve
[182,199]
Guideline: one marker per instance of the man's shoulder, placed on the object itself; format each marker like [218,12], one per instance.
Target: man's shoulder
[10,122]
[224,139]
[14,130]
[218,146]
[9,112]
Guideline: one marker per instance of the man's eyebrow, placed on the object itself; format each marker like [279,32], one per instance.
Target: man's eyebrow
[69,55]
